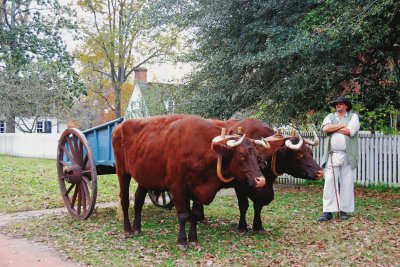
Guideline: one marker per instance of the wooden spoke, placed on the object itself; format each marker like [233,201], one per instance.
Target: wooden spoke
[81,150]
[79,199]
[74,197]
[69,189]
[84,195]
[161,199]
[164,199]
[68,154]
[84,162]
[64,163]
[86,189]
[78,153]
[72,149]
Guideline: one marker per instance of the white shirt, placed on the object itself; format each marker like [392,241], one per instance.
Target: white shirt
[338,140]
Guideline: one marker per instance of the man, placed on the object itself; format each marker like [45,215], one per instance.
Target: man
[340,159]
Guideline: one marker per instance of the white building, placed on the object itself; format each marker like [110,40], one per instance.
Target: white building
[35,125]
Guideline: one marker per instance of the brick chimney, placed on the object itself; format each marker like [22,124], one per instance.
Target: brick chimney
[141,74]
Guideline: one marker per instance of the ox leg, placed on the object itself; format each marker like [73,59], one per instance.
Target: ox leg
[198,211]
[124,182]
[140,196]
[243,203]
[182,205]
[257,223]
[193,242]
[196,214]
[182,238]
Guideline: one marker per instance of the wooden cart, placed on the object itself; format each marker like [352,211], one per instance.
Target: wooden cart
[81,157]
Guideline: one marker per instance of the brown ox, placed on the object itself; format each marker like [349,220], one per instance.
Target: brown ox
[287,154]
[179,153]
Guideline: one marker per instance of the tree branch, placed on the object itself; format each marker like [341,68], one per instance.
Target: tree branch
[142,62]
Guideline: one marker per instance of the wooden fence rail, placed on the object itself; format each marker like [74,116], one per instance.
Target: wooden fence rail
[379,160]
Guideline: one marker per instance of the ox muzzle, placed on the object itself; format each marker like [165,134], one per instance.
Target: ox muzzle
[260,181]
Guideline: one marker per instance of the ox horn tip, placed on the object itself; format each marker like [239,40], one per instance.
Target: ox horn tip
[223,132]
[278,133]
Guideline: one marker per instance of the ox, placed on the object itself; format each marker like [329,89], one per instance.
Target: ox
[284,155]
[185,155]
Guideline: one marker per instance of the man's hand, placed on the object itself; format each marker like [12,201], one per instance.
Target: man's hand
[338,128]
[345,131]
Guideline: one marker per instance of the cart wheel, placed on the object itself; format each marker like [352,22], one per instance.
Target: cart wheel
[77,174]
[162,199]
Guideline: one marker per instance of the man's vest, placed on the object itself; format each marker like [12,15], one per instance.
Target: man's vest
[351,143]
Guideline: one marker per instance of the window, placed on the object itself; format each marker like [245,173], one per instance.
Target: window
[43,127]
[170,105]
[3,127]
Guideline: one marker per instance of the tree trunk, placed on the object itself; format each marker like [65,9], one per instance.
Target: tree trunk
[117,89]
[10,128]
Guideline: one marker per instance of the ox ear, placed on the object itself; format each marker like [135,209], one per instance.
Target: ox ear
[221,149]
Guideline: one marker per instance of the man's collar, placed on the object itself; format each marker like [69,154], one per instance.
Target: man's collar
[337,114]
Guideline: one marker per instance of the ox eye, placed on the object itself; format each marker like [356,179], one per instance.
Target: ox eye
[299,156]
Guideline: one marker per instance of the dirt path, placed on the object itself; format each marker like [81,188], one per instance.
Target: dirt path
[26,253]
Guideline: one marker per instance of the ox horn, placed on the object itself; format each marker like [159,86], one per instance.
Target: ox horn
[263,143]
[312,143]
[233,143]
[290,145]
[223,132]
[219,171]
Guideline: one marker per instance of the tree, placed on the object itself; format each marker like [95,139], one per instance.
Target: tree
[30,32]
[37,90]
[121,36]
[286,60]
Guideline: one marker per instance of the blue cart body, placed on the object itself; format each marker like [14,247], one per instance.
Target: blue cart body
[100,141]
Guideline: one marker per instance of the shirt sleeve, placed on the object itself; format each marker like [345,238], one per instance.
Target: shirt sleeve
[354,125]
[326,121]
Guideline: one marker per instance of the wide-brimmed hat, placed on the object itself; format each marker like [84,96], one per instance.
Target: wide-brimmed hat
[342,99]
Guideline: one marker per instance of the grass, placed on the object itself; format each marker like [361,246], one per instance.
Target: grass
[292,235]
[31,184]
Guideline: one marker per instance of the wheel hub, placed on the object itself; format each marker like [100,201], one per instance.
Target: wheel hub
[73,174]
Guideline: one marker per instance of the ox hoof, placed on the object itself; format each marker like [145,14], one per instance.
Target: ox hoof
[128,234]
[182,246]
[259,231]
[243,230]
[194,245]
[137,232]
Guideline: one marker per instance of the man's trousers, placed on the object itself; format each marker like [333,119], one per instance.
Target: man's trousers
[344,177]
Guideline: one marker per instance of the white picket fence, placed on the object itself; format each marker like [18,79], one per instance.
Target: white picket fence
[379,154]
[30,145]
[379,160]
